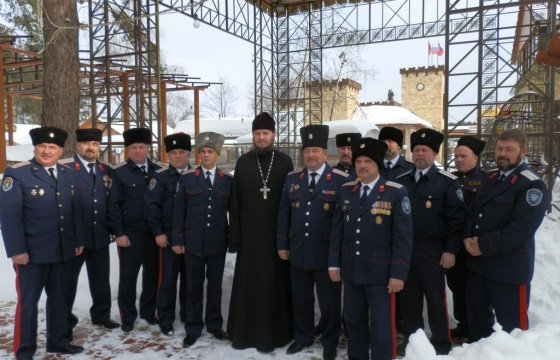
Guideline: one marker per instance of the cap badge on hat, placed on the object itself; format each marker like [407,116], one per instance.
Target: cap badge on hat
[310,136]
[207,138]
[423,135]
[348,139]
[51,135]
[174,142]
[362,146]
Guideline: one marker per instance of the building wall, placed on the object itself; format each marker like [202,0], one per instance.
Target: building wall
[346,96]
[422,92]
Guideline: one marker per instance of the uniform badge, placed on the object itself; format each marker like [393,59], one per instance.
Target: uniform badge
[33,192]
[41,192]
[378,220]
[296,186]
[297,204]
[347,218]
[406,205]
[310,136]
[177,187]
[460,194]
[8,184]
[362,146]
[534,197]
[326,207]
[428,204]
[152,184]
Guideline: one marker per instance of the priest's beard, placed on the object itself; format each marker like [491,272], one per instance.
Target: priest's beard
[263,150]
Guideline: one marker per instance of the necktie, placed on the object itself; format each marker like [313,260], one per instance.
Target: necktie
[91,172]
[418,176]
[143,168]
[208,180]
[364,195]
[312,183]
[502,177]
[389,165]
[53,176]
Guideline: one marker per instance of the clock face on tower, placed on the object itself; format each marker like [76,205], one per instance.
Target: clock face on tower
[420,86]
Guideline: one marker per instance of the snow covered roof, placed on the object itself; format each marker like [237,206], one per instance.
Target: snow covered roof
[364,127]
[229,127]
[388,115]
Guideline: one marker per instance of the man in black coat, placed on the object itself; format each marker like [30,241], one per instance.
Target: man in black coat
[500,239]
[467,153]
[42,231]
[135,241]
[257,186]
[159,203]
[96,175]
[438,214]
[394,163]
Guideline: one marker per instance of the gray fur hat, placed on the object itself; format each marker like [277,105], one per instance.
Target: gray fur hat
[210,139]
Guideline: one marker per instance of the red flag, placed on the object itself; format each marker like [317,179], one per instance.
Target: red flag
[429,49]
[440,50]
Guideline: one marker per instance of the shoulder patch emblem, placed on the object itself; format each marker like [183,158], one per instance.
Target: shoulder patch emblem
[340,172]
[460,194]
[530,175]
[18,165]
[405,173]
[393,184]
[406,205]
[534,197]
[152,184]
[8,184]
[448,174]
[66,161]
[159,171]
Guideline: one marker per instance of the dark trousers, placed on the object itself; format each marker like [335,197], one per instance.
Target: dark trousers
[369,312]
[303,298]
[510,303]
[457,280]
[172,266]
[426,279]
[98,270]
[142,253]
[31,279]
[211,267]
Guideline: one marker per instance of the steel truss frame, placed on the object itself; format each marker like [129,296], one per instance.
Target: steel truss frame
[290,36]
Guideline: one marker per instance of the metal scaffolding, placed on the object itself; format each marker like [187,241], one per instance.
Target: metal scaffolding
[490,47]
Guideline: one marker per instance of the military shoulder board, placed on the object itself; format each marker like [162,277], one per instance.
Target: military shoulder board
[64,165]
[350,183]
[66,161]
[189,171]
[18,165]
[403,174]
[448,174]
[162,169]
[121,164]
[294,171]
[339,172]
[393,184]
[530,175]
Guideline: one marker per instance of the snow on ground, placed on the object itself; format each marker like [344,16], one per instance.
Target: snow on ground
[540,342]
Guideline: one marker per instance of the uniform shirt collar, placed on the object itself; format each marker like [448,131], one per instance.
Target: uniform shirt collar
[393,160]
[84,162]
[319,171]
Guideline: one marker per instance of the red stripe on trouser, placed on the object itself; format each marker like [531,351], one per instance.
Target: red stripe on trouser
[523,321]
[393,326]
[17,322]
[160,276]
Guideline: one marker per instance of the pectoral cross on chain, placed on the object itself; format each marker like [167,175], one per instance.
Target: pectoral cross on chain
[265,190]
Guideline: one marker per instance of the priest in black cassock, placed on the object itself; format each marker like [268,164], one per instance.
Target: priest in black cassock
[260,311]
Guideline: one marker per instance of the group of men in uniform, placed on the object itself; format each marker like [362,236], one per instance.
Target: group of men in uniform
[380,224]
